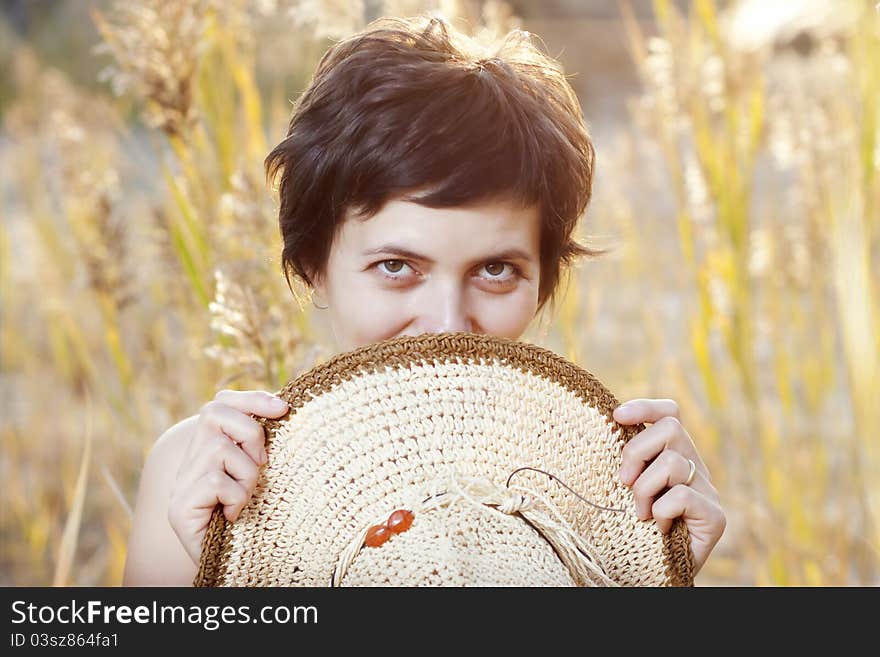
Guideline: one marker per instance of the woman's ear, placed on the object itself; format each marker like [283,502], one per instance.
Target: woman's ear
[319,288]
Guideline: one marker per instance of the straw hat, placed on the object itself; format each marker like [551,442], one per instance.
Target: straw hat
[444,459]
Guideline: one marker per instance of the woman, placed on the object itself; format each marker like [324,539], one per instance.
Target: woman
[426,185]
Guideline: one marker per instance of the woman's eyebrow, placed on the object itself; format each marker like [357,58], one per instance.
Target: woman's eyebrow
[394,249]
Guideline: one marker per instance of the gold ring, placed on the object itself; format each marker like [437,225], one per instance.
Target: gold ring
[687,482]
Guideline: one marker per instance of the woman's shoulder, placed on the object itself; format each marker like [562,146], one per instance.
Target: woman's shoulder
[165,456]
[173,442]
[155,554]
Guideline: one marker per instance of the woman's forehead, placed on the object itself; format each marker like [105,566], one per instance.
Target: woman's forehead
[475,227]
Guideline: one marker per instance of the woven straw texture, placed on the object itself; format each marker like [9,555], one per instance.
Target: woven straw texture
[440,424]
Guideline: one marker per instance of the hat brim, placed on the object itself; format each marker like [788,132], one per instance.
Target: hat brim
[409,407]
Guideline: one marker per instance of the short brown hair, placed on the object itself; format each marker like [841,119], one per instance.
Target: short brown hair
[412,104]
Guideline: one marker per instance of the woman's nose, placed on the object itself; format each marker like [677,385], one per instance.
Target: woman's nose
[445,311]
[452,323]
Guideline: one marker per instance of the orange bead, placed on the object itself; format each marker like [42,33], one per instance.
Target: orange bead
[376,535]
[399,521]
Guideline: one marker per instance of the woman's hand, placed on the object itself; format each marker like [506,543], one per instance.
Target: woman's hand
[655,463]
[221,464]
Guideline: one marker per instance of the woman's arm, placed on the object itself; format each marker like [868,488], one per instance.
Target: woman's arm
[156,557]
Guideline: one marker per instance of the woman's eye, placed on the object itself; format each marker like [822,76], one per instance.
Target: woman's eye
[496,269]
[393,267]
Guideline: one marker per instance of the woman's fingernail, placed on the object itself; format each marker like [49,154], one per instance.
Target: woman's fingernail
[278,402]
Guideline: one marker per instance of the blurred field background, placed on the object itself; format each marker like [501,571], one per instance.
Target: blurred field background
[738,185]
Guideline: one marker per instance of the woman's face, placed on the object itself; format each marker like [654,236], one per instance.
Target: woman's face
[410,270]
